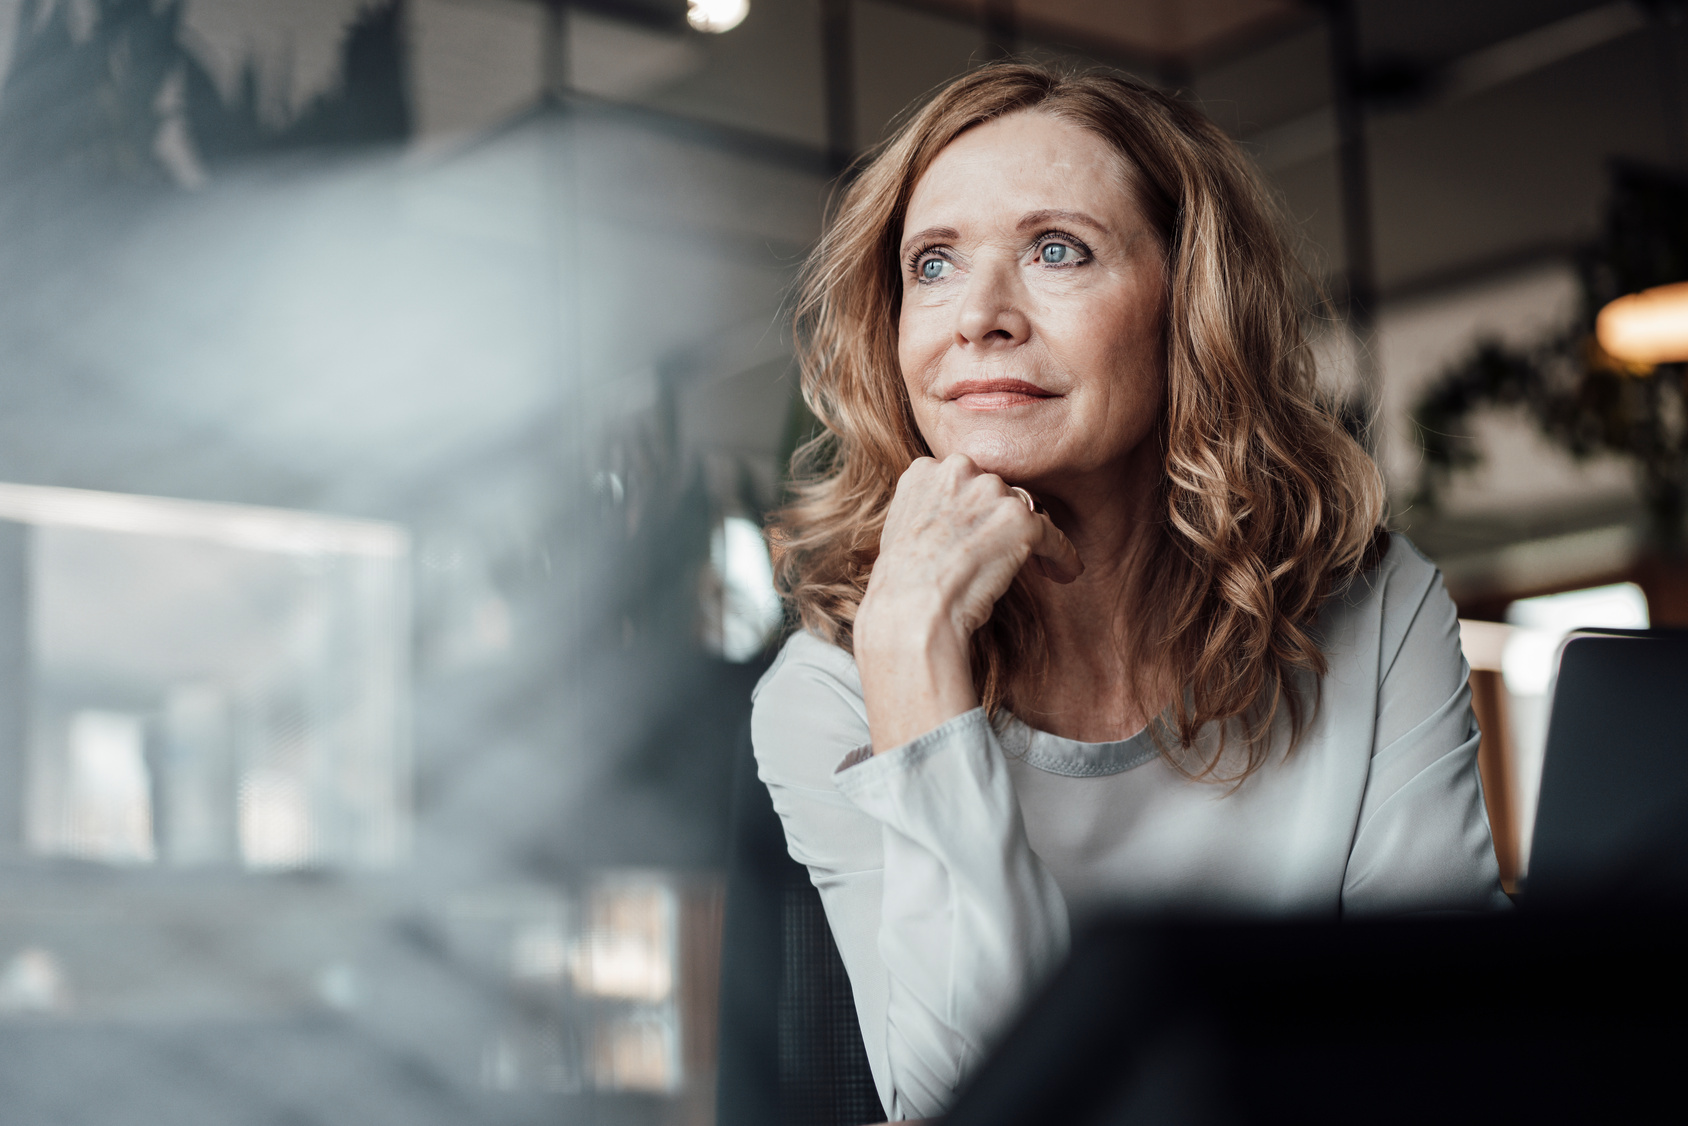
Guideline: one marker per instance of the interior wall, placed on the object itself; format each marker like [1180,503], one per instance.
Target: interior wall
[1419,338]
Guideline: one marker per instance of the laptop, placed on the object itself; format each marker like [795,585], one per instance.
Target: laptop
[1612,819]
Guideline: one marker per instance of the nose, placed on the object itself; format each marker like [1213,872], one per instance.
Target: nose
[992,315]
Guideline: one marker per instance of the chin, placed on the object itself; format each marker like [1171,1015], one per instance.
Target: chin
[1010,457]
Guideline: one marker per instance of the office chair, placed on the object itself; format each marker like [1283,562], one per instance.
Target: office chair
[790,1048]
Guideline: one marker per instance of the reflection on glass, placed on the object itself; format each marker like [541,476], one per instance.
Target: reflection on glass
[212,684]
[339,986]
[104,801]
[629,954]
[597,997]
[531,1057]
[628,950]
[33,981]
[525,936]
[540,952]
[197,775]
[742,608]
[636,1052]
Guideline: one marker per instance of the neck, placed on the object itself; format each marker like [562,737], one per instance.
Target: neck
[1089,689]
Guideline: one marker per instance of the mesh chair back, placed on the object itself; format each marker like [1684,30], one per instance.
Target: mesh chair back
[824,1076]
[790,1047]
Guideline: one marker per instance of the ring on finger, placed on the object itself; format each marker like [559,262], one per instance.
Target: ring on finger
[1025,496]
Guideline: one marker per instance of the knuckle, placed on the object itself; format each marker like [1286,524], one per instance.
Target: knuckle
[917,469]
[1011,501]
[1013,518]
[960,463]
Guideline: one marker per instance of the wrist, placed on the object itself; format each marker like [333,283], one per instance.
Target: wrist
[907,629]
[915,668]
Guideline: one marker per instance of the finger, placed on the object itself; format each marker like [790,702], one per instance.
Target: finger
[913,478]
[1054,554]
[918,466]
[962,465]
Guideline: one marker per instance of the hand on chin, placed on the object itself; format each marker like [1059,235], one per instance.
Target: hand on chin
[996,449]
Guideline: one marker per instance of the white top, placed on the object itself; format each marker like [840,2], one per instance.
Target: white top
[948,866]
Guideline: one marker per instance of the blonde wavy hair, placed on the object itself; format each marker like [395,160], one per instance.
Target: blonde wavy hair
[1269,505]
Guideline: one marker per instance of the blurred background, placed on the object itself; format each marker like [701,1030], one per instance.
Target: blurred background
[391,392]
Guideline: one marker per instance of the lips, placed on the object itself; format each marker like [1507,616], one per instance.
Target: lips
[995,394]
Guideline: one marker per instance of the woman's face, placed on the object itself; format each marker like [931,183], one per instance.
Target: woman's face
[1030,334]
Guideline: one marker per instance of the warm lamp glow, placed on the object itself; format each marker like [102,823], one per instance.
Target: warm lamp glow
[716,15]
[1650,327]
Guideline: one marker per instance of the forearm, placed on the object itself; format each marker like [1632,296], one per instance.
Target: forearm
[915,668]
[970,919]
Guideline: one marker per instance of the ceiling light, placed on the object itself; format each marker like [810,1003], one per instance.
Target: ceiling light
[1650,327]
[716,15]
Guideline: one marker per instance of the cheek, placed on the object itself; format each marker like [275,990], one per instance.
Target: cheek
[911,326]
[1127,365]
[1138,353]
[919,346]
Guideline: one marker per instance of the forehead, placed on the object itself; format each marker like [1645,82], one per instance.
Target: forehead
[1026,161]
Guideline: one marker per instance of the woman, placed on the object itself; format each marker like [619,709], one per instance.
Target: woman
[1096,605]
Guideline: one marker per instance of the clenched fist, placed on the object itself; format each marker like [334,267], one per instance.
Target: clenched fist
[954,538]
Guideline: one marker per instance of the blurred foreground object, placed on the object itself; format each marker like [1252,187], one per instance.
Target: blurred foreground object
[208,684]
[1648,328]
[741,608]
[1502,1018]
[357,285]
[614,990]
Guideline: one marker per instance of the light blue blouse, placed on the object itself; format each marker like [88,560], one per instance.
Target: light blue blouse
[949,866]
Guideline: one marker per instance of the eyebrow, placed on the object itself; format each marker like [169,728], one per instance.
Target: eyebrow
[1027,221]
[930,234]
[1039,218]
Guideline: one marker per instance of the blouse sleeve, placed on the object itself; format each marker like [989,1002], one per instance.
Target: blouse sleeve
[1423,841]
[945,918]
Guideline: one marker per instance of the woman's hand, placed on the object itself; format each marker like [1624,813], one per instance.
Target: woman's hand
[953,541]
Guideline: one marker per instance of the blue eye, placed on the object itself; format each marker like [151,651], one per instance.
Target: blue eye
[1054,253]
[934,268]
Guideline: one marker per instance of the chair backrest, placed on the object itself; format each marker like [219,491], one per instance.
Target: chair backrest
[790,1046]
[1612,822]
